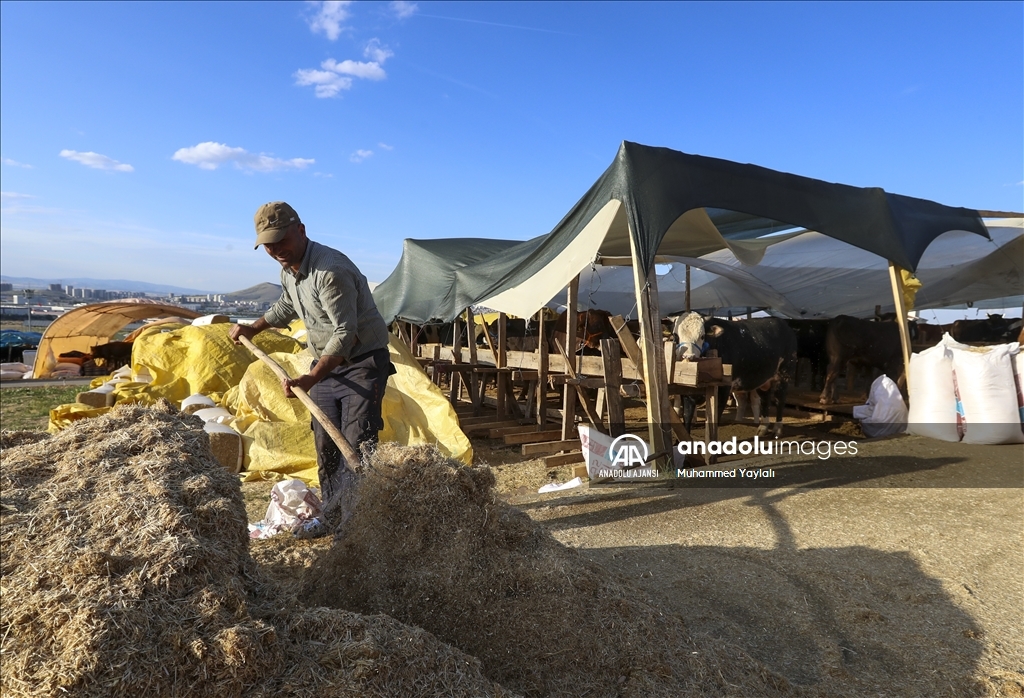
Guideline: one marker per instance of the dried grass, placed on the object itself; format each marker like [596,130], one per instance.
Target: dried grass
[431,545]
[125,571]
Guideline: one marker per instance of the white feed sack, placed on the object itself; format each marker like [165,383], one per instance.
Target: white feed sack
[932,395]
[988,392]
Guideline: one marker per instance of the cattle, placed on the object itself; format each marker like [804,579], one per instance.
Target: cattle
[591,327]
[114,354]
[762,352]
[995,329]
[862,343]
[810,345]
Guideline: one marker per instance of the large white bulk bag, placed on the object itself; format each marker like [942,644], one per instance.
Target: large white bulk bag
[932,395]
[988,393]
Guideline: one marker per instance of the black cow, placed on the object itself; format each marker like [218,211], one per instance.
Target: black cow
[862,343]
[995,329]
[810,345]
[762,352]
[114,354]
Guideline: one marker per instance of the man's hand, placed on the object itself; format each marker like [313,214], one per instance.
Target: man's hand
[305,382]
[247,331]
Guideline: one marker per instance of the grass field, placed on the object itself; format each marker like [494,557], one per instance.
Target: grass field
[28,409]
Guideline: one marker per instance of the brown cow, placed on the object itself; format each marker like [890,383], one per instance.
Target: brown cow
[865,343]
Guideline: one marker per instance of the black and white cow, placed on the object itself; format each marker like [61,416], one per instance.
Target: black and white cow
[762,352]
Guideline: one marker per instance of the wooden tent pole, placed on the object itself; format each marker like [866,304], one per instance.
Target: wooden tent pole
[542,370]
[569,396]
[687,296]
[901,317]
[655,380]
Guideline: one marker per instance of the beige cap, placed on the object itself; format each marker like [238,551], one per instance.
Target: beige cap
[272,222]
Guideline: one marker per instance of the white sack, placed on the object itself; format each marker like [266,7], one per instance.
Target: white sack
[988,393]
[932,395]
[293,506]
[885,413]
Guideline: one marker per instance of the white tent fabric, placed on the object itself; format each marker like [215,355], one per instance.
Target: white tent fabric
[813,276]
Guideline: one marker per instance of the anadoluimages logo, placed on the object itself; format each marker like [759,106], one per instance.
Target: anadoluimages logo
[628,451]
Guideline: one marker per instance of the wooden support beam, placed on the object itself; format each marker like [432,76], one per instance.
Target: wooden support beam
[588,406]
[569,396]
[542,447]
[504,381]
[645,282]
[901,317]
[613,381]
[487,427]
[456,378]
[542,370]
[563,459]
[531,437]
[474,381]
[519,428]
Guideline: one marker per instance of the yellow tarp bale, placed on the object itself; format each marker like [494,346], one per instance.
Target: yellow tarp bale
[276,429]
[414,410]
[417,412]
[192,359]
[62,416]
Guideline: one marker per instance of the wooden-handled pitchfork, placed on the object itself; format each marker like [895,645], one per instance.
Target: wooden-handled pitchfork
[350,454]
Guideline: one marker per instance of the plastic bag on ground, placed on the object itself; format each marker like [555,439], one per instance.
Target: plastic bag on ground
[293,507]
[885,413]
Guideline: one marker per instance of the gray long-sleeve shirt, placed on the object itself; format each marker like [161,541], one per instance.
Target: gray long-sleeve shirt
[332,298]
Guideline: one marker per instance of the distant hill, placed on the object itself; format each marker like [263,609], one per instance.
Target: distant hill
[21,282]
[260,293]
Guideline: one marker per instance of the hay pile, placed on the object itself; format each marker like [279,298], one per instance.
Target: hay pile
[125,571]
[430,545]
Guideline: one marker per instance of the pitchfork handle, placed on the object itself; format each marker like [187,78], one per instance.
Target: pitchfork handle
[350,454]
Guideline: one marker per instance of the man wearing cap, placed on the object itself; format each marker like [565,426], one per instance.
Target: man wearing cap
[345,334]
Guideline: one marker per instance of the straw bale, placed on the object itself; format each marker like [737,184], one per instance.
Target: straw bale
[431,545]
[125,571]
[125,566]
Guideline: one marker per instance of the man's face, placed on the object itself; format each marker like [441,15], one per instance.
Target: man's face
[288,250]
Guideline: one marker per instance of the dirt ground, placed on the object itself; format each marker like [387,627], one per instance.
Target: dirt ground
[895,572]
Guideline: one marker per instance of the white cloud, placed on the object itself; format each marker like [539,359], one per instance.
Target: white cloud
[15,163]
[360,155]
[96,161]
[13,195]
[403,9]
[327,84]
[385,146]
[377,52]
[336,76]
[329,17]
[210,156]
[369,71]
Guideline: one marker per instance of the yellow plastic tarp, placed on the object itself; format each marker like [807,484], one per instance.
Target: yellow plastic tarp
[191,360]
[62,416]
[414,410]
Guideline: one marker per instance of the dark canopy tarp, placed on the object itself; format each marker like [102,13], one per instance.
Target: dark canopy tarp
[666,202]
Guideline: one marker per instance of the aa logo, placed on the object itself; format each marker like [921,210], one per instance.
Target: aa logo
[628,451]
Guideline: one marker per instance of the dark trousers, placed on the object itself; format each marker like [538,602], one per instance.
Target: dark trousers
[351,398]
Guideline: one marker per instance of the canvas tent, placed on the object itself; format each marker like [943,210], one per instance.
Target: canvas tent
[82,328]
[656,201]
[814,276]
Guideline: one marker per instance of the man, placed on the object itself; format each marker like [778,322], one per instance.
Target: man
[346,335]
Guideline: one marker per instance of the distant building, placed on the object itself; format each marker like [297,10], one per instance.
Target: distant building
[55,287]
[70,290]
[6,288]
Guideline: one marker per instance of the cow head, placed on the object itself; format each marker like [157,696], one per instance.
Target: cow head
[688,334]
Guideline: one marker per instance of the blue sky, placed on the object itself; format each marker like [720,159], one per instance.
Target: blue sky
[138,139]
